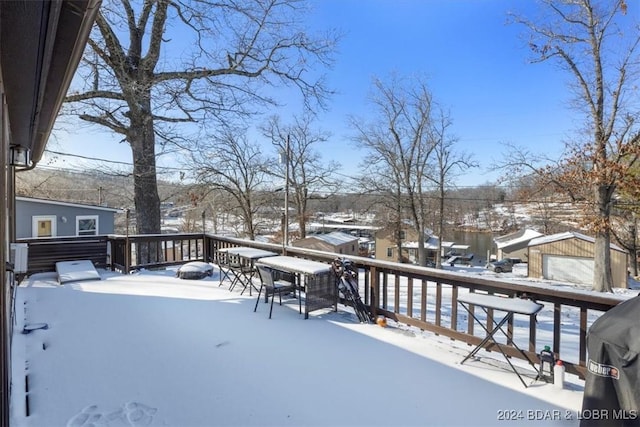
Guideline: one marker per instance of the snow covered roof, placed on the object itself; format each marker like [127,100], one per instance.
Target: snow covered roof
[322,225]
[335,238]
[431,243]
[515,238]
[567,235]
[461,247]
[339,218]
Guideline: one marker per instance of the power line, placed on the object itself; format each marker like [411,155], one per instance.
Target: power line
[449,199]
[59,153]
[116,162]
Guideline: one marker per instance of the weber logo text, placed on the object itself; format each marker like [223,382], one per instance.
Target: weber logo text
[603,370]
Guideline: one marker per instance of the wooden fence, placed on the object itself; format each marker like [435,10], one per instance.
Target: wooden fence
[421,297]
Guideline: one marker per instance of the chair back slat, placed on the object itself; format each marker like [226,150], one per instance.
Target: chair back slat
[265,275]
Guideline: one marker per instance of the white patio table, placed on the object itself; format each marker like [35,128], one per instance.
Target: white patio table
[319,282]
[244,269]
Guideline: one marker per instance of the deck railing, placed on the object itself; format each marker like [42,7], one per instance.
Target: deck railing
[421,297]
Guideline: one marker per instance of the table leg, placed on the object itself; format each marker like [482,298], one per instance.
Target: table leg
[490,337]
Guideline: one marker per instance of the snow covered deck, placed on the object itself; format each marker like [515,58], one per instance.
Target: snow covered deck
[151,349]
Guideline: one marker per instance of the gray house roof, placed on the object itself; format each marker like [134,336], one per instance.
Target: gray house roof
[69,204]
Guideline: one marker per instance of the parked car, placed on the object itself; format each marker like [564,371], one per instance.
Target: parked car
[504,265]
[459,259]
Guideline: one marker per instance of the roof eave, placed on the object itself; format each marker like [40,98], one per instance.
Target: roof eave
[39,62]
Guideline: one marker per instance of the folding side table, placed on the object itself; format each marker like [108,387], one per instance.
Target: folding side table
[510,306]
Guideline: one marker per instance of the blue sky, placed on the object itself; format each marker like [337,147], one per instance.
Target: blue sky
[476,64]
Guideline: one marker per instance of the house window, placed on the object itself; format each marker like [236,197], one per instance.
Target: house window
[87,225]
[402,235]
[389,252]
[43,226]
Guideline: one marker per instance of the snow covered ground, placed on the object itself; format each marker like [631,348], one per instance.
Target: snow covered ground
[519,274]
[150,349]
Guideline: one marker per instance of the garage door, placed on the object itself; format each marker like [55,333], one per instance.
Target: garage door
[568,269]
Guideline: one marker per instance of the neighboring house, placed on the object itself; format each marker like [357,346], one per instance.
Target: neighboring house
[338,242]
[515,245]
[367,247]
[36,218]
[568,257]
[387,242]
[387,245]
[431,245]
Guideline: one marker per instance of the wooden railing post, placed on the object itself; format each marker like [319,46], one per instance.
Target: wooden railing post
[375,291]
[206,248]
[127,248]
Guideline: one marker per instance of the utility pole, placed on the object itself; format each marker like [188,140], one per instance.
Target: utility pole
[285,240]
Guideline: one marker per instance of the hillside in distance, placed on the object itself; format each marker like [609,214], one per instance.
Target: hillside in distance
[486,208]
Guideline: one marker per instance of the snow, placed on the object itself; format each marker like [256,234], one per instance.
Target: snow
[194,270]
[515,238]
[520,275]
[296,265]
[335,237]
[73,271]
[248,253]
[515,305]
[151,349]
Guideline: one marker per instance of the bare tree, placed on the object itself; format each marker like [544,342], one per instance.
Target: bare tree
[586,39]
[299,143]
[447,163]
[399,147]
[153,65]
[231,164]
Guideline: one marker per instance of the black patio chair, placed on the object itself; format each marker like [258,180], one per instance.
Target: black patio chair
[224,264]
[243,274]
[272,287]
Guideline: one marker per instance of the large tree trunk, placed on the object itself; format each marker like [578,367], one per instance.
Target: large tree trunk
[422,252]
[634,248]
[249,223]
[301,211]
[438,259]
[602,278]
[147,202]
[302,221]
[398,237]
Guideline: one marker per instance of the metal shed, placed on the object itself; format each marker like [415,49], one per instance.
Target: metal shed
[569,257]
